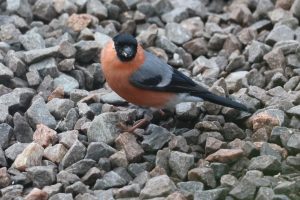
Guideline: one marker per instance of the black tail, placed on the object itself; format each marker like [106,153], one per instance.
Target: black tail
[223,101]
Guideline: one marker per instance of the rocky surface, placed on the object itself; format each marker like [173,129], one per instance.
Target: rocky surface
[60,133]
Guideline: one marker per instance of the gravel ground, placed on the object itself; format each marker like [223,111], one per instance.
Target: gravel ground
[59,133]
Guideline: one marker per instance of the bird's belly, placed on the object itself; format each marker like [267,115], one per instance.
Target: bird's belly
[139,96]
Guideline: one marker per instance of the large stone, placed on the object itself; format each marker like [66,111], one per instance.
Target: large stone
[280,33]
[155,138]
[42,175]
[97,150]
[74,154]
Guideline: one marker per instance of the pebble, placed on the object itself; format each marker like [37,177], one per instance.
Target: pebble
[97,9]
[109,180]
[204,175]
[97,150]
[61,196]
[177,34]
[180,163]
[155,138]
[86,50]
[67,82]
[74,154]
[158,186]
[266,163]
[44,10]
[5,179]
[280,33]
[59,107]
[211,194]
[30,156]
[55,153]
[41,175]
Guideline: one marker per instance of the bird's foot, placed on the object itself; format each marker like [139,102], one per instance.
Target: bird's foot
[138,124]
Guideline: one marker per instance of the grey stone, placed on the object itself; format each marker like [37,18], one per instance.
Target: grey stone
[9,33]
[162,6]
[33,78]
[213,194]
[66,64]
[91,176]
[86,50]
[61,196]
[268,149]
[294,142]
[203,174]
[177,34]
[32,40]
[66,49]
[256,50]
[180,163]
[81,167]
[158,186]
[263,7]
[187,111]
[232,131]
[104,128]
[59,107]
[128,191]
[189,188]
[286,187]
[97,9]
[113,98]
[37,55]
[6,133]
[66,178]
[109,180]
[68,138]
[77,188]
[287,46]
[21,7]
[77,94]
[104,194]
[156,137]
[97,150]
[145,8]
[266,163]
[264,193]
[22,130]
[14,150]
[164,43]
[294,110]
[296,8]
[292,60]
[53,189]
[244,190]
[229,181]
[175,15]
[74,154]
[45,67]
[5,73]
[195,6]
[216,42]
[67,82]
[4,114]
[11,191]
[280,33]
[42,175]
[38,113]
[3,161]
[14,62]
[43,9]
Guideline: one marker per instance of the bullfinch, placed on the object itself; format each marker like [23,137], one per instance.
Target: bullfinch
[143,79]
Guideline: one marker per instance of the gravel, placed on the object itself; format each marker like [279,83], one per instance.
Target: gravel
[60,133]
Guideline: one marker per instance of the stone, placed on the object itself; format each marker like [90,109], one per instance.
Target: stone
[41,175]
[266,163]
[67,82]
[86,50]
[256,50]
[77,188]
[5,179]
[85,196]
[280,33]
[155,138]
[36,194]
[66,49]
[18,98]
[53,189]
[66,64]
[75,153]
[66,178]
[203,174]
[189,188]
[128,191]
[97,150]
[162,6]
[104,128]
[275,59]
[132,149]
[6,133]
[33,78]
[294,111]
[245,189]
[3,161]
[285,187]
[45,67]
[31,156]
[217,193]
[180,163]
[44,10]
[165,44]
[177,34]
[232,131]
[294,142]
[78,22]
[44,135]
[55,153]
[61,196]
[225,155]
[68,138]
[109,180]
[186,111]
[157,186]
[14,150]
[212,145]
[59,107]
[295,8]
[175,15]
[5,73]
[91,176]
[32,40]
[37,55]
[21,7]
[179,143]
[38,113]
[229,181]
[264,193]
[97,9]
[119,159]
[9,33]
[113,98]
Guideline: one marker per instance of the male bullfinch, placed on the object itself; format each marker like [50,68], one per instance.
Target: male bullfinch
[143,79]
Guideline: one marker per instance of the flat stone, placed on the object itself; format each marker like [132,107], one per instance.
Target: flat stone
[225,155]
[157,187]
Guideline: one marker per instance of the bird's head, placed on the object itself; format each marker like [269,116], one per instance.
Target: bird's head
[125,46]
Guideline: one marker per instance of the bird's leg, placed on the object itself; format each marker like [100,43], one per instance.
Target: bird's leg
[147,118]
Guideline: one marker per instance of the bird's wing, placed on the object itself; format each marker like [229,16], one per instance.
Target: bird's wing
[155,74]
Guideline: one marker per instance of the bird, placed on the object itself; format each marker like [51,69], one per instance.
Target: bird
[143,79]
